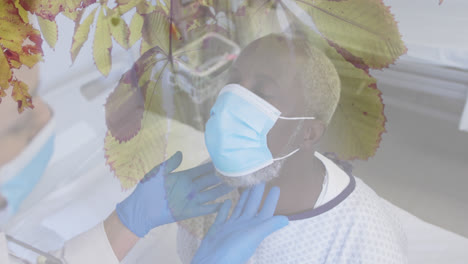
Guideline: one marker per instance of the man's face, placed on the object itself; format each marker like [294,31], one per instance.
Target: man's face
[268,69]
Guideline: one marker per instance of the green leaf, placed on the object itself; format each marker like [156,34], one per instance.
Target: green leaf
[365,28]
[136,25]
[156,30]
[358,123]
[49,31]
[255,19]
[102,45]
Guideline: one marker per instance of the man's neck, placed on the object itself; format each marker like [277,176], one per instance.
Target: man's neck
[300,180]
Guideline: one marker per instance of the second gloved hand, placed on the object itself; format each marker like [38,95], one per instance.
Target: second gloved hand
[234,240]
[163,197]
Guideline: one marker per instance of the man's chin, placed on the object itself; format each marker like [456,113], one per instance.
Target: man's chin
[263,175]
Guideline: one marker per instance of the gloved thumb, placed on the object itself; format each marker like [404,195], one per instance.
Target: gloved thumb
[269,226]
[167,166]
[172,163]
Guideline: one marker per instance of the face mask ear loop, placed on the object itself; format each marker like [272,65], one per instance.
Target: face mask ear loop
[290,154]
[296,118]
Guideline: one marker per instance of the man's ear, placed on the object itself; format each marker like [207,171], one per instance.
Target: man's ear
[313,131]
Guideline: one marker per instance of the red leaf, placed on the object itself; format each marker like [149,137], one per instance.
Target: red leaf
[125,107]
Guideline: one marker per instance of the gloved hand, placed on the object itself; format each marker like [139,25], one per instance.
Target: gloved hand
[235,240]
[163,197]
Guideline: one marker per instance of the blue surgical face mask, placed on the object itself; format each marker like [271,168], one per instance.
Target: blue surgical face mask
[236,133]
[19,177]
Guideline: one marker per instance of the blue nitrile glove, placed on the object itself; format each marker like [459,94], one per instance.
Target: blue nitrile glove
[163,197]
[235,240]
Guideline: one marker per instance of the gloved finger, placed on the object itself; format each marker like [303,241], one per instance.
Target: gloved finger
[253,202]
[168,166]
[223,213]
[207,209]
[240,204]
[214,193]
[269,206]
[205,181]
[266,228]
[198,171]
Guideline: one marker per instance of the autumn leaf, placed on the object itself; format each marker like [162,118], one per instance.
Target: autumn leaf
[81,34]
[21,45]
[364,28]
[49,9]
[5,73]
[136,118]
[72,15]
[20,42]
[2,94]
[22,12]
[49,30]
[21,95]
[145,94]
[358,123]
[102,44]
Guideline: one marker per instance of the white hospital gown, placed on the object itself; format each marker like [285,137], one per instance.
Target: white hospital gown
[360,229]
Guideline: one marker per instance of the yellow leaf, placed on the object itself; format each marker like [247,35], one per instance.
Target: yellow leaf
[119,29]
[136,25]
[2,93]
[132,159]
[5,72]
[144,7]
[48,9]
[81,34]
[71,15]
[258,19]
[102,45]
[23,13]
[125,6]
[144,47]
[20,42]
[49,31]
[21,95]
[365,28]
